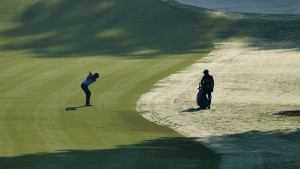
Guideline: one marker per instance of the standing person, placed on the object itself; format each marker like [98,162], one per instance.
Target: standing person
[84,85]
[207,83]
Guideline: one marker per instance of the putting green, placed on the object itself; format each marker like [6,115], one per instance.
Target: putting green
[132,44]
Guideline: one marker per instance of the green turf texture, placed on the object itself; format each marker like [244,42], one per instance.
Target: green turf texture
[132,44]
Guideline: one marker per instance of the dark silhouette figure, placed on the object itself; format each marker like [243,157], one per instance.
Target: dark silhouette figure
[207,83]
[84,85]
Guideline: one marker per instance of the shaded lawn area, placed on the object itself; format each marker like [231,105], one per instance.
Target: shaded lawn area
[177,153]
[69,28]
[132,44]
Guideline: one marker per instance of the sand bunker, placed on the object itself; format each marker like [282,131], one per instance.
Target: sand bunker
[249,6]
[253,81]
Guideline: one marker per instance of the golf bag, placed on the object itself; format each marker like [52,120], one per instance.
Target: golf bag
[202,103]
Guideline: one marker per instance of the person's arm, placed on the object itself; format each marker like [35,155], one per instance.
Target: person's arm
[201,82]
[213,84]
[90,75]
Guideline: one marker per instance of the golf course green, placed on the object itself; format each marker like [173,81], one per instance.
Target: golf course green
[132,44]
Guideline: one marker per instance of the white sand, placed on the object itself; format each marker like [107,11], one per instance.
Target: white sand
[251,84]
[249,6]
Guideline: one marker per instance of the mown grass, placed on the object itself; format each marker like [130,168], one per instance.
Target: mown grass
[132,44]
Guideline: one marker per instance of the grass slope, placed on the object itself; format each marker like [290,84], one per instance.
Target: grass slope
[132,44]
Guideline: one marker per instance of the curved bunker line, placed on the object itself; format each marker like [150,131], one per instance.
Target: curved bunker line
[249,88]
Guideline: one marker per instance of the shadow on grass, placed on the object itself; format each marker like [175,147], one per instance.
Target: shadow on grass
[164,153]
[278,148]
[70,28]
[278,31]
[73,108]
[134,28]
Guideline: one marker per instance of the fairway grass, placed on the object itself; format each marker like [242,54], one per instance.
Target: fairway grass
[132,44]
[43,123]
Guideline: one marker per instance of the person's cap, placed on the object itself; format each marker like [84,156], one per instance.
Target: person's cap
[205,71]
[96,75]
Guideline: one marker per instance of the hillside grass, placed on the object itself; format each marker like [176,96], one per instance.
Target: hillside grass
[132,44]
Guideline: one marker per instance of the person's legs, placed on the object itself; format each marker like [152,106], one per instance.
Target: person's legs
[87,93]
[209,99]
[88,96]
[202,100]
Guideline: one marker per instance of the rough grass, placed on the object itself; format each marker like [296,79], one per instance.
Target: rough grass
[132,44]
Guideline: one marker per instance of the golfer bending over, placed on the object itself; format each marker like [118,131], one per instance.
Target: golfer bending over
[207,82]
[84,85]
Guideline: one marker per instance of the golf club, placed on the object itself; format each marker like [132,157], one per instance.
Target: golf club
[86,66]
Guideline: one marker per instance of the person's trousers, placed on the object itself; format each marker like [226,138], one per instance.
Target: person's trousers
[208,93]
[87,92]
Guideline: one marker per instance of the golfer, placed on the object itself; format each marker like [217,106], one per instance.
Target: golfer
[207,82]
[84,85]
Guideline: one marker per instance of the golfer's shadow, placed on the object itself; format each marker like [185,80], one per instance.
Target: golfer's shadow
[191,110]
[73,108]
